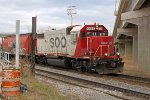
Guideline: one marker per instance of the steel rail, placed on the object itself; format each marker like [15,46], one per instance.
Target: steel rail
[131,78]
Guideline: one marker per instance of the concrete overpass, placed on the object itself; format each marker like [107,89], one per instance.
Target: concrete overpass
[132,31]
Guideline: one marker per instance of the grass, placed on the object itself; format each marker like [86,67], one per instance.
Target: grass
[37,90]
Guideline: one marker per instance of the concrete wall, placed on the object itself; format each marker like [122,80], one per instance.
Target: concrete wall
[144,43]
[128,49]
[135,48]
[122,49]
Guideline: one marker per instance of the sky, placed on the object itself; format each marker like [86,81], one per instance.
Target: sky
[53,13]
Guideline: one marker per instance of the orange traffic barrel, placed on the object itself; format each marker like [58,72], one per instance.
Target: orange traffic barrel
[11,82]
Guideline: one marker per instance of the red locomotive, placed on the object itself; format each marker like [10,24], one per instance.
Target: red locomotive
[85,48]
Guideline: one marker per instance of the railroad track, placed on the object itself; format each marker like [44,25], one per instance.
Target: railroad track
[126,78]
[131,78]
[94,82]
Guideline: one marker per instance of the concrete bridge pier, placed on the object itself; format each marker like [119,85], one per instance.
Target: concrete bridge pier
[128,49]
[122,49]
[144,43]
[135,49]
[133,20]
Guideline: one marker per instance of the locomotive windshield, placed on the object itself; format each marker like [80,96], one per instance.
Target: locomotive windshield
[96,30]
[96,34]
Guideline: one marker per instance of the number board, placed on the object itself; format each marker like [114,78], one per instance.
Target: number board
[93,28]
[90,28]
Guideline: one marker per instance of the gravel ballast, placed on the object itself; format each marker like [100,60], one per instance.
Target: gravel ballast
[141,89]
[78,92]
[69,88]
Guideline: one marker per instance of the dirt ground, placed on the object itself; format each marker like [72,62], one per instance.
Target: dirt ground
[132,68]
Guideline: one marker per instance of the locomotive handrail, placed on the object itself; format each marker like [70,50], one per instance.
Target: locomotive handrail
[5,58]
[89,47]
[96,51]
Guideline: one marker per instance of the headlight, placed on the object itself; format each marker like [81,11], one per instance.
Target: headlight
[118,54]
[106,54]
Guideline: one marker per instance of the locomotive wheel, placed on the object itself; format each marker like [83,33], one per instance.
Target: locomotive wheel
[81,68]
[37,60]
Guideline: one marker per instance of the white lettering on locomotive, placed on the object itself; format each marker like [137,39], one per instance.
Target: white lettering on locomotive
[90,28]
[104,43]
[57,42]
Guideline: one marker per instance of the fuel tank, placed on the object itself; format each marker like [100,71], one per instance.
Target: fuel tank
[60,63]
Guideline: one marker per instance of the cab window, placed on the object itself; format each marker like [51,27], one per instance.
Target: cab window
[96,34]
[90,33]
[74,37]
[101,34]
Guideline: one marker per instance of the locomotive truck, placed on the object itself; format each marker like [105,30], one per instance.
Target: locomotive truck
[84,48]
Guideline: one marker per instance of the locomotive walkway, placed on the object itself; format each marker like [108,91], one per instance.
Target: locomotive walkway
[95,82]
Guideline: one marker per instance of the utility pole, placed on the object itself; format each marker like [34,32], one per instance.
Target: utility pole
[17,42]
[70,11]
[33,43]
